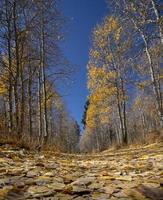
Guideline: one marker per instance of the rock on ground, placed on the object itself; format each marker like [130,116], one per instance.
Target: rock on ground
[124,174]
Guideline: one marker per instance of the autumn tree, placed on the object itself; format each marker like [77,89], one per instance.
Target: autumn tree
[124,62]
[107,78]
[144,17]
[31,64]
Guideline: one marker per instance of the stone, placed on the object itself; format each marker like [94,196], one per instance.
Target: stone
[120,194]
[3,193]
[80,190]
[107,178]
[51,174]
[124,178]
[3,171]
[32,174]
[4,181]
[56,186]
[150,192]
[119,175]
[83,181]
[15,171]
[108,189]
[58,179]
[134,194]
[43,180]
[96,185]
[79,198]
[99,196]
[152,185]
[61,196]
[69,178]
[51,166]
[30,181]
[39,191]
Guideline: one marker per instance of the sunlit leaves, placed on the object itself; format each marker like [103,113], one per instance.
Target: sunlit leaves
[117,34]
[109,57]
[103,76]
[94,54]
[3,88]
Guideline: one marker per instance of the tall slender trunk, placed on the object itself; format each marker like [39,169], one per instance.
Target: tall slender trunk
[120,112]
[118,104]
[45,104]
[8,20]
[143,123]
[45,118]
[39,105]
[30,98]
[125,137]
[22,93]
[155,86]
[118,135]
[5,112]
[158,20]
[160,93]
[97,141]
[154,82]
[17,67]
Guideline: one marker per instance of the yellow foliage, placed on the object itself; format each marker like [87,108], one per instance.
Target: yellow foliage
[3,87]
[111,75]
[117,34]
[101,86]
[105,110]
[94,54]
[141,86]
[137,103]
[102,32]
[101,75]
[109,57]
[3,193]
[104,120]
[161,76]
[98,107]
[95,74]
[101,93]
[3,91]
[90,117]
[110,24]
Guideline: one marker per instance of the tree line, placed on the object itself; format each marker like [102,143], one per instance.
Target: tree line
[124,76]
[31,63]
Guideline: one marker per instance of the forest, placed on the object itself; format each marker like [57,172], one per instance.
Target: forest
[31,62]
[125,80]
[124,77]
[113,149]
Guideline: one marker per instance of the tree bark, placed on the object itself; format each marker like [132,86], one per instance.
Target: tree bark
[39,105]
[17,67]
[158,20]
[125,137]
[8,20]
[22,92]
[152,74]
[30,98]
[45,118]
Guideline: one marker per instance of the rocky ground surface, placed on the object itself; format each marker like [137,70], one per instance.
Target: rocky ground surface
[123,174]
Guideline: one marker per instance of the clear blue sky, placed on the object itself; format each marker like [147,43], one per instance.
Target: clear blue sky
[83,15]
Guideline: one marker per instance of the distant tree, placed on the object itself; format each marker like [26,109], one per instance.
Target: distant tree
[124,72]
[30,64]
[85,113]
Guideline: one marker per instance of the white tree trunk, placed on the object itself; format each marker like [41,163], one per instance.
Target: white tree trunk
[157,19]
